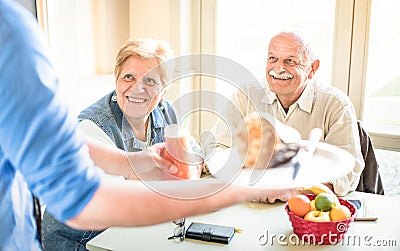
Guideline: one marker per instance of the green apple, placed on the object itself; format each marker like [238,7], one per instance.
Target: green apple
[324,202]
[317,216]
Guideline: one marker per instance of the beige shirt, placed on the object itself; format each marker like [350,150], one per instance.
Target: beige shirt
[326,108]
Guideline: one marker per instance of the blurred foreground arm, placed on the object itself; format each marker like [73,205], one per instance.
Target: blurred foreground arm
[131,165]
[132,203]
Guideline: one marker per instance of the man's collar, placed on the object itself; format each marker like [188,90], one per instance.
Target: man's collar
[305,101]
[269,96]
[307,97]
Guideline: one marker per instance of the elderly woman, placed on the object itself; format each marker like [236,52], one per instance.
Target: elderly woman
[134,115]
[131,118]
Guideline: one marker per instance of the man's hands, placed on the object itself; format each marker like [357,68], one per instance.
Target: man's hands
[284,196]
[273,196]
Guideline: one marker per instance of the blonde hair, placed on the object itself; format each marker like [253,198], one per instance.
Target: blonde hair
[158,50]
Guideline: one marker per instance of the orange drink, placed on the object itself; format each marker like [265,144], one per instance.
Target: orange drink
[179,150]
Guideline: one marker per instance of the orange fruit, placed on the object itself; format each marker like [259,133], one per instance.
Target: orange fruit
[299,205]
[339,213]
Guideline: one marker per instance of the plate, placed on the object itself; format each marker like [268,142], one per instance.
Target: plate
[327,163]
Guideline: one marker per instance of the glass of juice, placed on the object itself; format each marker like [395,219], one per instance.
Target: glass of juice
[179,149]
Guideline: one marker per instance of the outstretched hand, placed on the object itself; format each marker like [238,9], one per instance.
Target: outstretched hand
[163,163]
[150,165]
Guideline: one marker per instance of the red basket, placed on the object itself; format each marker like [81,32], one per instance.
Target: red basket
[330,232]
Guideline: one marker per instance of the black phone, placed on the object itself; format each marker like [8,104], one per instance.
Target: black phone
[362,213]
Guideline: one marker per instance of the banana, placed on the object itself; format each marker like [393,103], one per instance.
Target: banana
[316,189]
[319,188]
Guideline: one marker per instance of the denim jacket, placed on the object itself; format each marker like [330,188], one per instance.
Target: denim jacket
[107,115]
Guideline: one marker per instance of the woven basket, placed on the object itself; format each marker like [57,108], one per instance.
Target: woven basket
[321,232]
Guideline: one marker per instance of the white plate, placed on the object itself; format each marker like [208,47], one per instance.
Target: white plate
[327,163]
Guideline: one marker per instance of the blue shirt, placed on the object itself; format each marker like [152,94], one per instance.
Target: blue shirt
[40,151]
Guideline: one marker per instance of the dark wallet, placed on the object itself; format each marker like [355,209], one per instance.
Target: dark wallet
[209,232]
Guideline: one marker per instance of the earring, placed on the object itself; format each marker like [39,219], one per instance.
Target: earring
[310,75]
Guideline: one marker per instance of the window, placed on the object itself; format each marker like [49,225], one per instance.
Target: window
[82,49]
[382,86]
[242,33]
[241,30]
[374,81]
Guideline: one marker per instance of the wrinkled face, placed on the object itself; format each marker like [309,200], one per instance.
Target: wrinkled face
[287,70]
[139,87]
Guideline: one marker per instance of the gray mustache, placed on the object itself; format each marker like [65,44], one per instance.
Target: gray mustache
[284,75]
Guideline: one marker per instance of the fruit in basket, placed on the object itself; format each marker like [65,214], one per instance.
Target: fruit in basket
[312,204]
[319,225]
[340,212]
[316,189]
[317,216]
[320,188]
[324,205]
[299,205]
[325,201]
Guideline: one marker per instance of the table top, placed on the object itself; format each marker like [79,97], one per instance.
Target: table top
[265,226]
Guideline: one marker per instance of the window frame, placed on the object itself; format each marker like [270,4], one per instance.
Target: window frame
[358,71]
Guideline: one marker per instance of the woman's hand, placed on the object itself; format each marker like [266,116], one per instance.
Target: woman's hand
[163,163]
[150,165]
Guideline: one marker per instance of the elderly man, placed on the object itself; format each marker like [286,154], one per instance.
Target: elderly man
[295,99]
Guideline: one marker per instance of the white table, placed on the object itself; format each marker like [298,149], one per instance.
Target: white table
[257,221]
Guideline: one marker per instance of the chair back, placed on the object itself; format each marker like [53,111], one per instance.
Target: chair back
[370,180]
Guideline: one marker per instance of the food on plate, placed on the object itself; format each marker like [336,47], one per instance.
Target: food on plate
[260,142]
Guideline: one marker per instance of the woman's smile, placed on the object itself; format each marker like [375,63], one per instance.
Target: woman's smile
[136,100]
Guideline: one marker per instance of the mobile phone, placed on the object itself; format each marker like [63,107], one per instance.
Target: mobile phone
[363,214]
